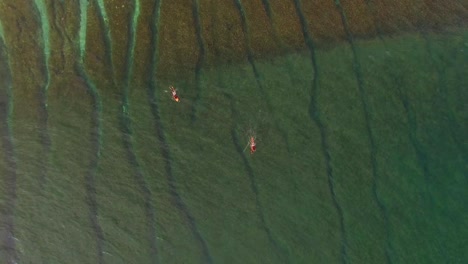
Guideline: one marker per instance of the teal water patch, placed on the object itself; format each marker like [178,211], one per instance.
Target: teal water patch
[102,9]
[107,35]
[83,27]
[131,46]
[40,5]
[2,32]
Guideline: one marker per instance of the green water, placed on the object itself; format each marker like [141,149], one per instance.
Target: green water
[274,206]
[361,157]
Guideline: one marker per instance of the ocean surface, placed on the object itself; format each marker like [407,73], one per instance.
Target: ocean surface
[359,112]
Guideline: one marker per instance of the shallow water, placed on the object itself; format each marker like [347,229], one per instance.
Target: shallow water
[361,148]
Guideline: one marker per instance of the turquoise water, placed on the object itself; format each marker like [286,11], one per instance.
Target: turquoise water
[361,148]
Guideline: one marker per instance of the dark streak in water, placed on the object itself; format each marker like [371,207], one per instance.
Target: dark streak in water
[389,246]
[95,137]
[140,180]
[250,58]
[256,73]
[267,8]
[315,116]
[253,183]
[447,113]
[107,39]
[370,133]
[179,203]
[43,112]
[60,31]
[127,134]
[443,93]
[412,130]
[7,213]
[420,154]
[90,177]
[201,56]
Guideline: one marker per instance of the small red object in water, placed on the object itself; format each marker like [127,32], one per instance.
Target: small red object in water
[253,145]
[175,97]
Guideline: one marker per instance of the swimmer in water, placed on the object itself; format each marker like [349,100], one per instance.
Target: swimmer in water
[175,97]
[252,145]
